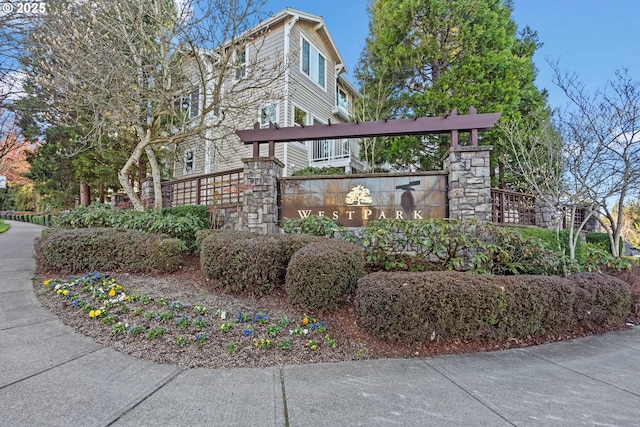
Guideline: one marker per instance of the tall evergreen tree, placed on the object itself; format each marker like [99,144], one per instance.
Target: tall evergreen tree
[431,56]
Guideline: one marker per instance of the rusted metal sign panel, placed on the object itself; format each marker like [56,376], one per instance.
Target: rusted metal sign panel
[354,200]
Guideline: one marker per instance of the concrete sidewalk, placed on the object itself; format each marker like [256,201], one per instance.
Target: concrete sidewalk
[51,376]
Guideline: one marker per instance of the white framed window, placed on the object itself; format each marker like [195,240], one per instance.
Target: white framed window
[341,99]
[313,64]
[300,117]
[268,114]
[189,161]
[240,62]
[189,104]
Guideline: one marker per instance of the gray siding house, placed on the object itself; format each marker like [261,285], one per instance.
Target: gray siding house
[312,89]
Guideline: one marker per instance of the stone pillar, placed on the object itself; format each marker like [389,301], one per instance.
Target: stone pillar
[546,215]
[469,190]
[260,199]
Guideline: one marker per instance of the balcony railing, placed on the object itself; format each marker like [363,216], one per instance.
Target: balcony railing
[328,151]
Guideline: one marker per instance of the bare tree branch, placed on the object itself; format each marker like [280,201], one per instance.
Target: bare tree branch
[113,67]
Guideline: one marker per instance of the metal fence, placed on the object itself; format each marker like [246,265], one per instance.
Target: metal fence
[213,189]
[511,207]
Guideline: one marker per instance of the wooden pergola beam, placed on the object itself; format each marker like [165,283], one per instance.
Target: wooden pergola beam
[399,127]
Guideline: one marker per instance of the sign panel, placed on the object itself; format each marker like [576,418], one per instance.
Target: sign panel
[3,182]
[354,200]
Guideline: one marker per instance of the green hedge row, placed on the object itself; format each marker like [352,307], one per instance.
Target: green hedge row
[421,307]
[107,249]
[40,219]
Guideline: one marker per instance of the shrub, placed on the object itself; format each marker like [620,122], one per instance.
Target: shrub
[602,240]
[198,211]
[314,171]
[239,262]
[552,240]
[181,224]
[107,249]
[420,307]
[596,258]
[430,244]
[315,225]
[603,299]
[289,245]
[323,273]
[631,276]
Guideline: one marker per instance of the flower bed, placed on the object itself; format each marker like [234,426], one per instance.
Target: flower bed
[202,331]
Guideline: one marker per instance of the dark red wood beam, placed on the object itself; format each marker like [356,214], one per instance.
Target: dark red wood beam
[398,127]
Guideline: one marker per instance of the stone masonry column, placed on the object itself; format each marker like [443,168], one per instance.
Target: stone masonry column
[260,199]
[546,215]
[469,182]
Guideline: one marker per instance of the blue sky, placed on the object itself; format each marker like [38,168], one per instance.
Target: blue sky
[591,38]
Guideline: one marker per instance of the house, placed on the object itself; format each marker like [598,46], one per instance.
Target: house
[312,89]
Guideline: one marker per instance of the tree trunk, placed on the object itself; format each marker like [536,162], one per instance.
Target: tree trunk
[156,176]
[85,194]
[123,175]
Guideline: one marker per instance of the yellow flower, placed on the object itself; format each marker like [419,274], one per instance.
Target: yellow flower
[65,292]
[46,282]
[313,347]
[98,313]
[112,292]
[256,343]
[126,298]
[92,313]
[59,291]
[305,320]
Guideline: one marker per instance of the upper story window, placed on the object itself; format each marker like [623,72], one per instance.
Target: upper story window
[190,104]
[313,63]
[240,62]
[341,99]
[268,114]
[188,161]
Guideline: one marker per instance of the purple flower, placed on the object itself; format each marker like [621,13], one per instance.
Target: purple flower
[260,318]
[318,325]
[247,332]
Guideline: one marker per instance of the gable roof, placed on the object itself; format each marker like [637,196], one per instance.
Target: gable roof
[319,26]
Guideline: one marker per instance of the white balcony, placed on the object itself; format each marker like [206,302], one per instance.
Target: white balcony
[336,152]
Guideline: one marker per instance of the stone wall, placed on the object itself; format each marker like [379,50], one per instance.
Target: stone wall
[469,182]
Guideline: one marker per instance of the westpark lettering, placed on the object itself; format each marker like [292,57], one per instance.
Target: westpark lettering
[365,214]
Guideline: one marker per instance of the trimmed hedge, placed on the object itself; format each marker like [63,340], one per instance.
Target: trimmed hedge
[420,307]
[34,218]
[107,249]
[243,261]
[239,262]
[322,274]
